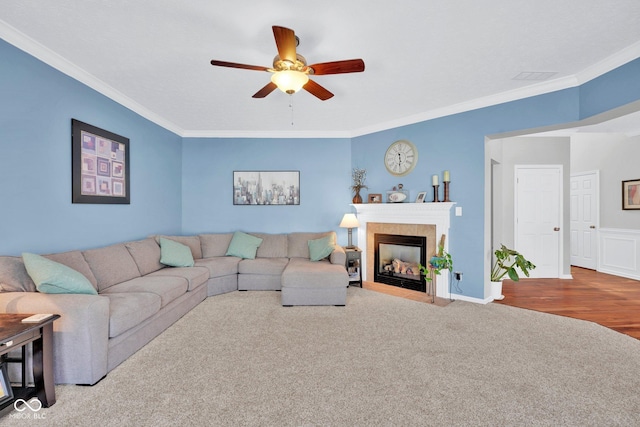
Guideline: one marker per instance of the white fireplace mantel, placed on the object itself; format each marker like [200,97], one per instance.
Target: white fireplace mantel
[438,214]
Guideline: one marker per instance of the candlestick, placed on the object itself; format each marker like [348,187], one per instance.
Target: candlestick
[446,177]
[435,192]
[434,180]
[446,191]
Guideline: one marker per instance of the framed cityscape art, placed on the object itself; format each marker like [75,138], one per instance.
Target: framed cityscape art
[100,165]
[266,187]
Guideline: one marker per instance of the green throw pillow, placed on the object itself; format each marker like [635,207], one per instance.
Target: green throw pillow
[320,248]
[51,277]
[175,254]
[244,245]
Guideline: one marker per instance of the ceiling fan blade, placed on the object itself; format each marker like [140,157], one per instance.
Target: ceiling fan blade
[316,90]
[270,87]
[236,65]
[338,67]
[286,43]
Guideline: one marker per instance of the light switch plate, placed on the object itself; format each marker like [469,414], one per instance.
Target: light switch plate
[458,210]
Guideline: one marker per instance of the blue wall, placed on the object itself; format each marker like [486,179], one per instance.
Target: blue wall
[208,165]
[185,185]
[37,104]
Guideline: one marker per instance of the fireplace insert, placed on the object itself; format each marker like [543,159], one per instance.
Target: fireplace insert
[397,259]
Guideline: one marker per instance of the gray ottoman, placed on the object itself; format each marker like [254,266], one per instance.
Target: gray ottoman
[306,282]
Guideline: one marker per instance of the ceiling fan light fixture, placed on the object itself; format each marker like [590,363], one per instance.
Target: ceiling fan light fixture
[289,81]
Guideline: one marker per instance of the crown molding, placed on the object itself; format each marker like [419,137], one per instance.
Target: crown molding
[44,54]
[49,57]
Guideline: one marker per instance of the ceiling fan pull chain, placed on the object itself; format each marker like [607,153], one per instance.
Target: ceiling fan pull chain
[291,106]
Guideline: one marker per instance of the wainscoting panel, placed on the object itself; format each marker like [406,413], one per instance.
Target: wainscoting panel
[619,252]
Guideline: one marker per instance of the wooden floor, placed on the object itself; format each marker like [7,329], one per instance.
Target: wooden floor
[611,301]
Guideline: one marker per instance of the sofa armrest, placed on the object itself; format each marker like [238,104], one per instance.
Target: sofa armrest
[80,335]
[338,256]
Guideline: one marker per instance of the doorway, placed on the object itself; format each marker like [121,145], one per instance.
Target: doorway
[585,206]
[538,217]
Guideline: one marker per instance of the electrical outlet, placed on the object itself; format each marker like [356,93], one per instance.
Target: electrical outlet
[457,275]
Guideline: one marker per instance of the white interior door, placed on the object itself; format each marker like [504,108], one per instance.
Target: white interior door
[584,219]
[538,216]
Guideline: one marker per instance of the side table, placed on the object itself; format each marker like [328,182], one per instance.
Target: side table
[14,334]
[353,263]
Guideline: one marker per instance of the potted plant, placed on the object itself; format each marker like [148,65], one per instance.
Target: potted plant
[441,261]
[358,175]
[507,263]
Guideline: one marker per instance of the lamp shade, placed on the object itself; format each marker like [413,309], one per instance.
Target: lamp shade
[349,221]
[289,81]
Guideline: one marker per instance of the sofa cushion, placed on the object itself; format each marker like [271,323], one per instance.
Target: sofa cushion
[175,254]
[298,245]
[243,245]
[220,266]
[263,266]
[14,276]
[111,265]
[146,254]
[272,246]
[215,244]
[195,276]
[320,248]
[75,260]
[192,241]
[52,277]
[129,309]
[304,273]
[167,288]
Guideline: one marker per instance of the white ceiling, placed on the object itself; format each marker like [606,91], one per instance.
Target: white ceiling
[424,58]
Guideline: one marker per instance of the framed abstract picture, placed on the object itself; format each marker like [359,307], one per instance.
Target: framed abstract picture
[266,187]
[99,165]
[631,194]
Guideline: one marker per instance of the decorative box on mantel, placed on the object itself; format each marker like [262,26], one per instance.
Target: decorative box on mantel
[428,219]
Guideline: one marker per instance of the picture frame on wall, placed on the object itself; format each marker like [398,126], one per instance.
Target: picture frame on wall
[266,188]
[100,165]
[631,194]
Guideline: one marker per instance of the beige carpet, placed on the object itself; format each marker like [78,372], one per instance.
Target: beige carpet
[242,359]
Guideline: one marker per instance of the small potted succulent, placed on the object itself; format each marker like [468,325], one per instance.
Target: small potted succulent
[507,263]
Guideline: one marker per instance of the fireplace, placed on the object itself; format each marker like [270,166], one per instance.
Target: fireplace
[397,259]
[430,220]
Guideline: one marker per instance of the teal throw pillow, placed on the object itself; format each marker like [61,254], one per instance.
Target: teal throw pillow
[175,254]
[244,245]
[320,248]
[52,277]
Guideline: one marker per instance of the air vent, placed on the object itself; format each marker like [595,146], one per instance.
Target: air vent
[535,75]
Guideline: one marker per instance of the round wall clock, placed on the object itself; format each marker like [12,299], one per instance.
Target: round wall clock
[401,157]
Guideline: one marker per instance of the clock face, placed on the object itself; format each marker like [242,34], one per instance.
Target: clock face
[401,157]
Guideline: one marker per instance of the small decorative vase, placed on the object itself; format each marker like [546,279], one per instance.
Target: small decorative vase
[496,291]
[357,199]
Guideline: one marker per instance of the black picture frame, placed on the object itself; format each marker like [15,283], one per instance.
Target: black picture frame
[100,165]
[6,392]
[266,188]
[631,194]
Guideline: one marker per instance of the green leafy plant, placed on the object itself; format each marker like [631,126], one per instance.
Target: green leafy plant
[508,261]
[437,263]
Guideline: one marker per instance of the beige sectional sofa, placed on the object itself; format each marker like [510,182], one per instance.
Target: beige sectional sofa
[138,297]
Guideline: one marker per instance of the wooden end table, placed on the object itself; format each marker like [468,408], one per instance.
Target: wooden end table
[16,334]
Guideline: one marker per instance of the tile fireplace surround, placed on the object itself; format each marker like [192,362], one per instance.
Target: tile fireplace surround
[409,219]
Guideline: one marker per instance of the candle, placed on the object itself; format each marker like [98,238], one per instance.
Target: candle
[446,177]
[434,180]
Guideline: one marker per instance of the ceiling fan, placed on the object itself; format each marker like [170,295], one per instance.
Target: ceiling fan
[290,69]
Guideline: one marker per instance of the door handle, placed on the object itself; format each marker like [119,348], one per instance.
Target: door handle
[556,228]
[592,226]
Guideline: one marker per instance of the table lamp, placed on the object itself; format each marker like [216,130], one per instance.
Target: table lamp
[350,222]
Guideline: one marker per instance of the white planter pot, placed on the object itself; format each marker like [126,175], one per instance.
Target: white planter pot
[496,291]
